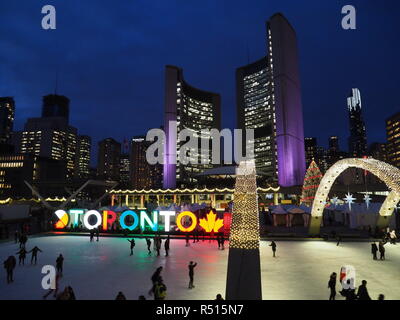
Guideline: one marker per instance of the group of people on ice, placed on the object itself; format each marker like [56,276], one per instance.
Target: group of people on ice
[349,292]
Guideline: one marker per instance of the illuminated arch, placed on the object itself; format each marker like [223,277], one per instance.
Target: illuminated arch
[389,174]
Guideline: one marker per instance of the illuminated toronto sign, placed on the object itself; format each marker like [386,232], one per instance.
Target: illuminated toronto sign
[186,221]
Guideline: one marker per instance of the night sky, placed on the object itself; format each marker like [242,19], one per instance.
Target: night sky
[110,58]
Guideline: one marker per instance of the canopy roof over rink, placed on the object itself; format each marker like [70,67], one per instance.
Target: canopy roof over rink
[215,198]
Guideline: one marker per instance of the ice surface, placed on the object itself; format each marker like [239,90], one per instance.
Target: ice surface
[98,270]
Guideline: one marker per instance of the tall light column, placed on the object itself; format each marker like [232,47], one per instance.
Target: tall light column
[244,273]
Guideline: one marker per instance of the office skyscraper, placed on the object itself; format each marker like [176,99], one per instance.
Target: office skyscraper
[51,138]
[269,101]
[7,112]
[82,162]
[109,160]
[256,110]
[357,138]
[378,151]
[191,109]
[393,139]
[334,144]
[124,171]
[143,175]
[310,145]
[55,105]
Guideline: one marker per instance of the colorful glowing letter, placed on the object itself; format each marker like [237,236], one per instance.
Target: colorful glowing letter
[107,220]
[86,219]
[144,217]
[63,219]
[122,220]
[179,222]
[167,219]
[76,213]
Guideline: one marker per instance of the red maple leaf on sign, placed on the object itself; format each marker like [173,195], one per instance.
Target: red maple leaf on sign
[211,223]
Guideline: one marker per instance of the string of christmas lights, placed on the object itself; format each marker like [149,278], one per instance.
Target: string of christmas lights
[311,183]
[245,221]
[387,173]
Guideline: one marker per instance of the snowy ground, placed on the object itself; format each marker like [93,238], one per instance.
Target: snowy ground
[99,270]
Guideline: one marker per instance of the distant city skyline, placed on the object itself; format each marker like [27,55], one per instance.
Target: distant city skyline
[115,81]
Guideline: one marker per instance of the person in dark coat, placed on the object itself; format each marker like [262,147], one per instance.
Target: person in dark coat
[362,293]
[59,264]
[187,240]
[71,293]
[166,246]
[222,241]
[218,241]
[339,240]
[381,250]
[349,293]
[132,242]
[158,245]
[374,250]
[332,286]
[34,251]
[22,240]
[160,290]
[9,265]
[22,255]
[16,236]
[191,267]
[148,242]
[155,278]
[97,233]
[273,246]
[120,296]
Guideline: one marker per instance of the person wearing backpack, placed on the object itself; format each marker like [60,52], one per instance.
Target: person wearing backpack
[160,290]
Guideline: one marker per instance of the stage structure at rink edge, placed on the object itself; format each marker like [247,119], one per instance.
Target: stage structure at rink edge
[387,173]
[244,273]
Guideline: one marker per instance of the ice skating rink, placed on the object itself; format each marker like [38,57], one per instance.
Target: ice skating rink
[99,270]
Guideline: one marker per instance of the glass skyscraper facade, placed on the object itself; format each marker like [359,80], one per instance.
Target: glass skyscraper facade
[256,110]
[7,113]
[357,138]
[269,101]
[191,109]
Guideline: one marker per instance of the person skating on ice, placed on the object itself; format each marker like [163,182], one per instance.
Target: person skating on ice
[362,293]
[187,240]
[166,246]
[273,247]
[155,278]
[21,256]
[158,245]
[332,286]
[148,242]
[381,250]
[374,250]
[222,241]
[132,242]
[9,265]
[34,251]
[59,264]
[191,267]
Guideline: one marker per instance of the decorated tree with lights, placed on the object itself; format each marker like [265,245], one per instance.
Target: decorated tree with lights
[311,183]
